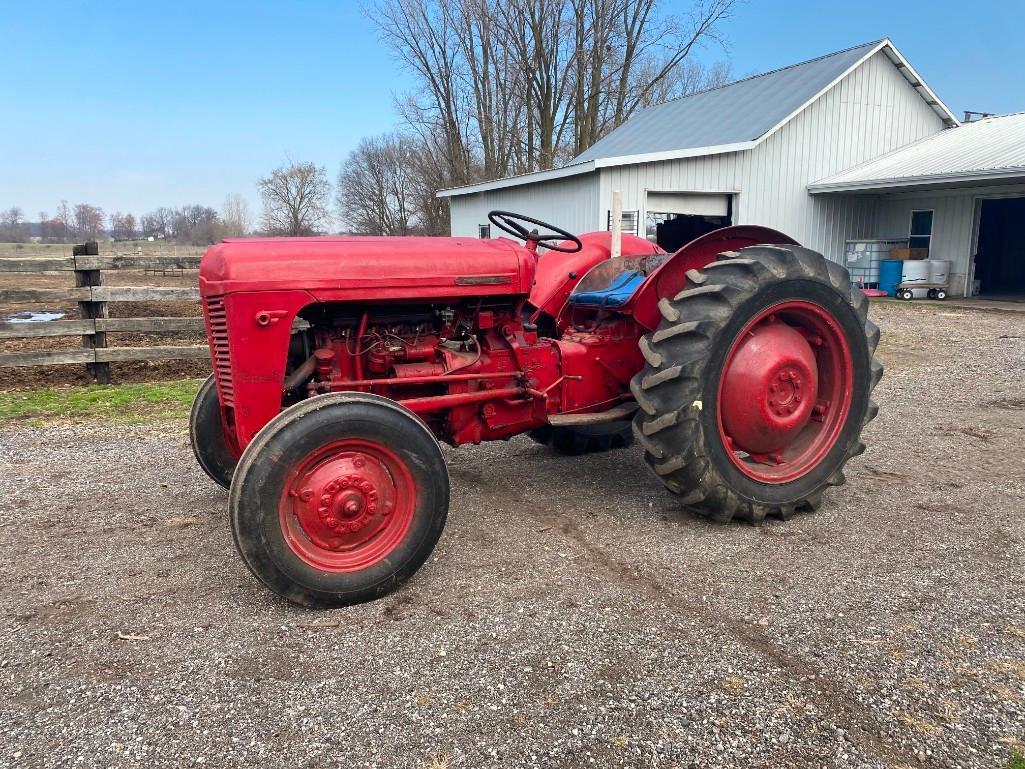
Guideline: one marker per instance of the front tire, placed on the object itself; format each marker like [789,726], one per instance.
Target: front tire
[757,383]
[216,453]
[339,499]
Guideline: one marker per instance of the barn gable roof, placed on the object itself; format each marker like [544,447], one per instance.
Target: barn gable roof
[735,113]
[730,118]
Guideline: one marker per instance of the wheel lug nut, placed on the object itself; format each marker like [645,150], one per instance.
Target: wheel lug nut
[306,495]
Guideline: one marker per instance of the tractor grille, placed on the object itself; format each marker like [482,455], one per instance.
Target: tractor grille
[218,324]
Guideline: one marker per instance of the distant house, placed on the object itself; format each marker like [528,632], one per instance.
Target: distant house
[849,147]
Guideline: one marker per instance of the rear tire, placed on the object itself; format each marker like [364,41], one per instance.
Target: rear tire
[585,440]
[216,453]
[339,499]
[692,398]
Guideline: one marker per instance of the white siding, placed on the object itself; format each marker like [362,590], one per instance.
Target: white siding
[570,203]
[953,224]
[871,111]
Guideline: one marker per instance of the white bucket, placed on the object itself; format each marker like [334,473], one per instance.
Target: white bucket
[916,271]
[939,271]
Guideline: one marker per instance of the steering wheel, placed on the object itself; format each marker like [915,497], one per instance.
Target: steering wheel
[510,223]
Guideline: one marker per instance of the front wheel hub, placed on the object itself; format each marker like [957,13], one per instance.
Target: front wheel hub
[347,506]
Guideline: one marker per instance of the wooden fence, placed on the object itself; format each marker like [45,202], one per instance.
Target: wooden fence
[94,323]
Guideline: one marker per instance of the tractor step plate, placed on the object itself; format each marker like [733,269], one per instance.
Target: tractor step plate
[616,414]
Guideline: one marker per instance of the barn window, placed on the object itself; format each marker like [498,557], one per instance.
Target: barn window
[630,222]
[484,231]
[920,235]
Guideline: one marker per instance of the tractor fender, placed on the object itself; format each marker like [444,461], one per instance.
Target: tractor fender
[558,273]
[669,278]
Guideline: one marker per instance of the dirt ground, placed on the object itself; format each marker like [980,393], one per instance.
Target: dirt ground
[571,615]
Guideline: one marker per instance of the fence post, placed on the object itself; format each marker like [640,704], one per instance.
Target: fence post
[89,309]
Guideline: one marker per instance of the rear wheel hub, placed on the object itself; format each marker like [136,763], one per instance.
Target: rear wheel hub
[785,391]
[769,388]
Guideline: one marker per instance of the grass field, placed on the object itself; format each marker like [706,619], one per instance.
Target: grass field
[122,404]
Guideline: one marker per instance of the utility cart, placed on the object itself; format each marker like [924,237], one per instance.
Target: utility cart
[935,290]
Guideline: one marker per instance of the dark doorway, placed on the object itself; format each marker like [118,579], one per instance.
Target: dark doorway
[1000,256]
[671,231]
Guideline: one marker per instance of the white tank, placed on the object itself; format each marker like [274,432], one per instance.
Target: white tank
[939,271]
[916,271]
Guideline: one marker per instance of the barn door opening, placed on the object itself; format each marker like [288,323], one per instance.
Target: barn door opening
[1000,256]
[676,218]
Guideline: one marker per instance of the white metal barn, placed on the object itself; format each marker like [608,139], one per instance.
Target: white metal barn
[801,149]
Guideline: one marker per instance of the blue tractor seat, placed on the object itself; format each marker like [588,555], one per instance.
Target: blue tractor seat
[616,295]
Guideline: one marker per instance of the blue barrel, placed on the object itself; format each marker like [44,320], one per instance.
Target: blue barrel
[890,271]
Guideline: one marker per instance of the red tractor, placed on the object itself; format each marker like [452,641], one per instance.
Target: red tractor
[743,361]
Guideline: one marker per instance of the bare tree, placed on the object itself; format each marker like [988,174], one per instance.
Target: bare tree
[689,78]
[88,221]
[295,199]
[424,38]
[427,175]
[122,226]
[509,86]
[65,220]
[375,193]
[159,223]
[45,227]
[12,229]
[236,218]
[197,225]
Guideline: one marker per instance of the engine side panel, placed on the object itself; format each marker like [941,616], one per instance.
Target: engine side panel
[249,334]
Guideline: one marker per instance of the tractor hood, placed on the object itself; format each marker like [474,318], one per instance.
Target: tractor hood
[368,268]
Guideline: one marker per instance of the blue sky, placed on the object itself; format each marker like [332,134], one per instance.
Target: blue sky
[130,106]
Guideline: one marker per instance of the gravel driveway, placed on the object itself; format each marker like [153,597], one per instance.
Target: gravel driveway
[571,615]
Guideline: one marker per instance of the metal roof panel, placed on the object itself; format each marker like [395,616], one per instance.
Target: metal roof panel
[988,148]
[737,112]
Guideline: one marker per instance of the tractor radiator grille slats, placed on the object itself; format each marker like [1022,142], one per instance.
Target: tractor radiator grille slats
[219,343]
